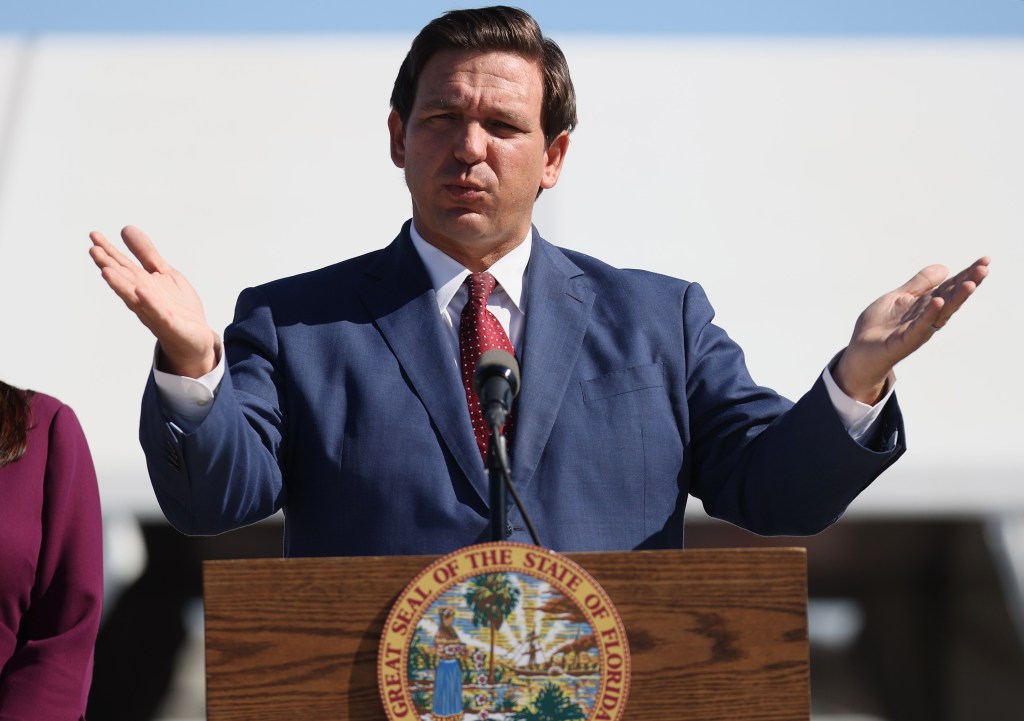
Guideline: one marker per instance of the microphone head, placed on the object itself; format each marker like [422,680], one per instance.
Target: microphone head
[497,363]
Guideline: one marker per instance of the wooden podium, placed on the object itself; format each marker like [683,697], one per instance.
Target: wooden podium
[713,634]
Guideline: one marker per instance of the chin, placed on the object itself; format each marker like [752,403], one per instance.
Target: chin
[469,227]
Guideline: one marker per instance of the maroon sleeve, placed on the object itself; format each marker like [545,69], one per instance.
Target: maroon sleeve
[48,677]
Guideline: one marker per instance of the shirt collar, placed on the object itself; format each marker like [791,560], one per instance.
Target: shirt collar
[447,275]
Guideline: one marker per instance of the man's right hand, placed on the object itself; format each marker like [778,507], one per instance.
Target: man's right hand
[162,299]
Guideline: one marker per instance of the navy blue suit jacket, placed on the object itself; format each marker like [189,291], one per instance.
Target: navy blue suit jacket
[342,405]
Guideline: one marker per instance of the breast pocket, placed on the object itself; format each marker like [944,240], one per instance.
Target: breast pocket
[627,380]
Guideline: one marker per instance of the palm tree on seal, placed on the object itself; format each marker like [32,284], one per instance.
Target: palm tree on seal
[493,598]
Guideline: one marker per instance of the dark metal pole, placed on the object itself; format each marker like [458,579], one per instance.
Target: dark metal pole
[496,490]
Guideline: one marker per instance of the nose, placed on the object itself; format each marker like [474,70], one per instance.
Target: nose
[471,144]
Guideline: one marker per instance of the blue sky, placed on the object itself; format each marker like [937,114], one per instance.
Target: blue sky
[941,18]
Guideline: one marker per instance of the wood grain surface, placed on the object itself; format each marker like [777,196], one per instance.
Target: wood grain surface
[713,634]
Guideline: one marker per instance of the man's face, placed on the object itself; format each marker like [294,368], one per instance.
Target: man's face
[474,153]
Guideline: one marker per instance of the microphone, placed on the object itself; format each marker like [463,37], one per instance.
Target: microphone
[496,381]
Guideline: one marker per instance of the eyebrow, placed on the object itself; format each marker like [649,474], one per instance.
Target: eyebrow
[450,103]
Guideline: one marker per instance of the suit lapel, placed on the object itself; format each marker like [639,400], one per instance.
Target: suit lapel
[401,300]
[557,311]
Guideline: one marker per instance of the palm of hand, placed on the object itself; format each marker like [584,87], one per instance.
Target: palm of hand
[899,323]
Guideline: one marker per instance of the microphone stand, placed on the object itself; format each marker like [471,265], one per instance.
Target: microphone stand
[500,483]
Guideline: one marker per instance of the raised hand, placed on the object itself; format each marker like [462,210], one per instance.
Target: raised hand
[899,323]
[162,299]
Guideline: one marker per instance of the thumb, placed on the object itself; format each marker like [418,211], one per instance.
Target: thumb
[142,248]
[925,280]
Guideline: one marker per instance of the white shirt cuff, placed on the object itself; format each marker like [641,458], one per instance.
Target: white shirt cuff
[189,398]
[858,418]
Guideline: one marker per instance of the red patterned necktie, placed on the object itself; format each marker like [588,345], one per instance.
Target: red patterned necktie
[479,332]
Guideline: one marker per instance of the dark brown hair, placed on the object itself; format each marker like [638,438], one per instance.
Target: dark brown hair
[14,422]
[446,631]
[492,29]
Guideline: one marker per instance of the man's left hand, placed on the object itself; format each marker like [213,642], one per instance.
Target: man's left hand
[899,323]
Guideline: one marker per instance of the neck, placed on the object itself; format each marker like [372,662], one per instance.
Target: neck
[476,255]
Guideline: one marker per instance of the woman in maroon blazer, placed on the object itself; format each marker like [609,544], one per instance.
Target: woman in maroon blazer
[51,559]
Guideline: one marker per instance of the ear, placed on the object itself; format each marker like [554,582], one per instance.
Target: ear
[397,132]
[554,156]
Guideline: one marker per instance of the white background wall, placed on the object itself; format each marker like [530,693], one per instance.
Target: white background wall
[797,180]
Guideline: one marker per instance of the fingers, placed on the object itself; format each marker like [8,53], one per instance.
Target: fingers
[936,278]
[955,291]
[952,302]
[120,279]
[977,271]
[933,280]
[106,255]
[120,272]
[99,239]
[933,318]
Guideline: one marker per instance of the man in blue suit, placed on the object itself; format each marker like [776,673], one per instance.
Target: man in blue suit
[336,394]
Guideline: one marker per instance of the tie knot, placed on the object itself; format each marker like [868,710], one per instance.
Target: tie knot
[480,287]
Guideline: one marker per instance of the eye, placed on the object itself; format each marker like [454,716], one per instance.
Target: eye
[440,118]
[503,128]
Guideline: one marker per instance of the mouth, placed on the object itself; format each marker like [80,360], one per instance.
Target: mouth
[462,190]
